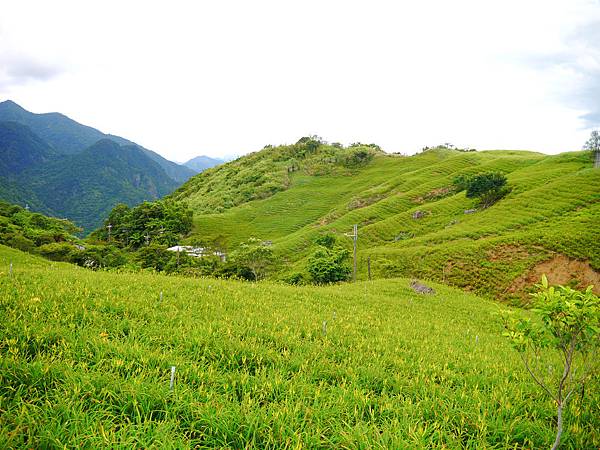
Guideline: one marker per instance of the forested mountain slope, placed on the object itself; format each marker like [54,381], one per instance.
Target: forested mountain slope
[69,137]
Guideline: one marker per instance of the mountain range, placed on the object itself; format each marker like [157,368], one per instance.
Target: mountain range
[63,168]
[201,163]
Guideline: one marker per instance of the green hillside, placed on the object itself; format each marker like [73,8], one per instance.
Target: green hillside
[552,212]
[86,360]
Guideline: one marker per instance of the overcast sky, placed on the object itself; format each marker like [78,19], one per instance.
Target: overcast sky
[186,78]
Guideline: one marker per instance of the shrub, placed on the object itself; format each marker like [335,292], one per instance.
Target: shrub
[483,183]
[255,256]
[99,256]
[328,265]
[20,242]
[567,334]
[57,251]
[488,198]
[326,240]
[488,188]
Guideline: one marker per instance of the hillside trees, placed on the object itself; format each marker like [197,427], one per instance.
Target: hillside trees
[160,222]
[593,145]
[25,230]
[560,348]
[255,256]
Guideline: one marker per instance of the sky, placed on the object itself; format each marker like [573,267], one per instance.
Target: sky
[223,78]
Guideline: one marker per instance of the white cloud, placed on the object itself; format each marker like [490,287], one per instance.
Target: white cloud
[189,78]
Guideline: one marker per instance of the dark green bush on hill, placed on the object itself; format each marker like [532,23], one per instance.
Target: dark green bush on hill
[483,183]
[487,188]
[327,265]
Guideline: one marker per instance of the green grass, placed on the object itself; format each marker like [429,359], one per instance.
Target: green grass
[86,357]
[553,207]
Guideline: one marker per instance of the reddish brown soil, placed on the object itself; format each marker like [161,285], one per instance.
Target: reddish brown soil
[559,270]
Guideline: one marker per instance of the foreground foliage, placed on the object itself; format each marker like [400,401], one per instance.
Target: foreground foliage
[85,361]
[568,330]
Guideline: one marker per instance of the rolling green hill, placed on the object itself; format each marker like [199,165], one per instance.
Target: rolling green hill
[290,196]
[86,357]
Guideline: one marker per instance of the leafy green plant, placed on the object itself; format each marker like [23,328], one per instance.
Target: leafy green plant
[484,182]
[328,265]
[566,334]
[256,256]
[488,187]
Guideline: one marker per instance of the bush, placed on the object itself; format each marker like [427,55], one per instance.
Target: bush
[326,240]
[154,257]
[483,183]
[567,330]
[19,242]
[488,188]
[296,278]
[356,156]
[487,199]
[57,251]
[328,265]
[99,256]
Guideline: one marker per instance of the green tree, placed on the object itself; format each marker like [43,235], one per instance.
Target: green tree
[566,333]
[487,188]
[163,221]
[328,265]
[593,145]
[254,255]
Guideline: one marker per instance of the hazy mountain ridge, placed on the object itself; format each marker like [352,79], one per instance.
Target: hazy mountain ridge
[201,163]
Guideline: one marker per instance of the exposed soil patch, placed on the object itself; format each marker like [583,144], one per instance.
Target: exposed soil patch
[507,253]
[559,270]
[435,194]
[328,218]
[357,203]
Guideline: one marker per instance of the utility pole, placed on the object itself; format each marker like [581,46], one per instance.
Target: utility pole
[26,206]
[109,226]
[354,237]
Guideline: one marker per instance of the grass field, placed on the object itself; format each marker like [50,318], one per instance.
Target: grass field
[86,358]
[554,208]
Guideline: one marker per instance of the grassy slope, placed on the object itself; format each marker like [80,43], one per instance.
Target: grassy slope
[85,362]
[553,207]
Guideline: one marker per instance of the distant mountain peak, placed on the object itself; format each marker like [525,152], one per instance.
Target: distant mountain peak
[202,162]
